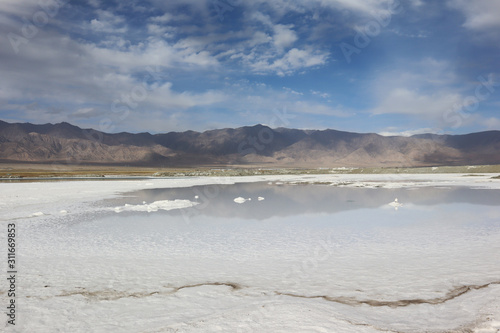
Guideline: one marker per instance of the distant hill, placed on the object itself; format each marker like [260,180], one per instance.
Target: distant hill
[249,145]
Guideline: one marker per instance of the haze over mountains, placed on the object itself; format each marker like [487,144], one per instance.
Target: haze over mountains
[253,145]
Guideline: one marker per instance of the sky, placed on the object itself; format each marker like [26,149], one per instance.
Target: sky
[379,66]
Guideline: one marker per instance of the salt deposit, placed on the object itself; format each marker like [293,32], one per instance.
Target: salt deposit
[156,206]
[240,200]
[424,268]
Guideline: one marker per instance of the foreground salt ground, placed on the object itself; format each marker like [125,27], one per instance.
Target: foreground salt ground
[126,273]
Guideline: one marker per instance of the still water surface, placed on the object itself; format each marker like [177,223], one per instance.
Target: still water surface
[433,263]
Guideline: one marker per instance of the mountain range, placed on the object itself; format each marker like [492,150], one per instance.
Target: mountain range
[250,145]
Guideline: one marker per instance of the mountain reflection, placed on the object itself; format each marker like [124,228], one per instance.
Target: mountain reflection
[286,199]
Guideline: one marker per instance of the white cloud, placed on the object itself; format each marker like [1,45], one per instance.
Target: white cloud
[152,52]
[306,58]
[103,26]
[157,30]
[420,89]
[86,73]
[269,39]
[107,22]
[284,36]
[292,61]
[111,18]
[256,102]
[94,3]
[491,123]
[308,107]
[258,38]
[432,94]
[479,14]
[405,101]
[291,91]
[364,7]
[257,16]
[359,7]
[169,18]
[165,98]
[420,34]
[320,94]
[203,58]
[392,132]
[267,51]
[19,7]
[86,113]
[416,3]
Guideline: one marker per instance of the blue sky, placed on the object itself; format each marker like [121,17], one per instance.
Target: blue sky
[382,66]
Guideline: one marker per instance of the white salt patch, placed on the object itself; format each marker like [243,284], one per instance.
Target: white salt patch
[63,212]
[240,200]
[396,204]
[37,214]
[490,327]
[260,198]
[156,206]
[196,196]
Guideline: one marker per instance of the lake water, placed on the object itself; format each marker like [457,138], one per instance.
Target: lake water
[303,258]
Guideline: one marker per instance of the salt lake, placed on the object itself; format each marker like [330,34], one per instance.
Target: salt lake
[296,255]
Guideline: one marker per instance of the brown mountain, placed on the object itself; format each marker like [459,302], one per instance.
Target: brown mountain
[251,145]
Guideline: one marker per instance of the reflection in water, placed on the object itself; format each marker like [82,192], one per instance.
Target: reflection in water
[288,200]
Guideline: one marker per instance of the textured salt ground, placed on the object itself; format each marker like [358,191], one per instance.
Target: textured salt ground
[84,275]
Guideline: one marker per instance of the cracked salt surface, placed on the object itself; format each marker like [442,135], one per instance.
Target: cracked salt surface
[310,258]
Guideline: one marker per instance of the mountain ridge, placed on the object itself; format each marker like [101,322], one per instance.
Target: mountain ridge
[247,145]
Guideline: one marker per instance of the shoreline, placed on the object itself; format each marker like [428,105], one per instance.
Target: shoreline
[78,172]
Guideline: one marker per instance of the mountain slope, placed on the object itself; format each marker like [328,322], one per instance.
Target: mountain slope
[251,145]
